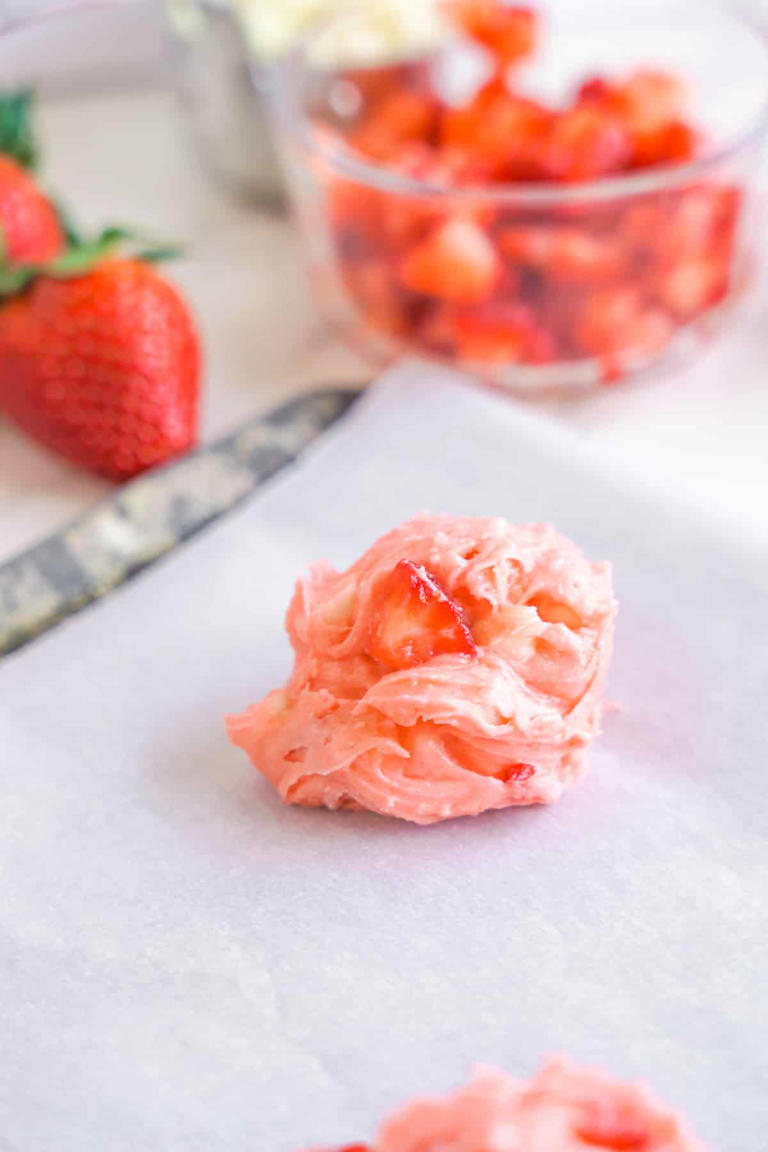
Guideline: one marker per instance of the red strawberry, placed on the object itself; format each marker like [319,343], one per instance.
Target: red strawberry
[621,329]
[692,284]
[102,368]
[508,32]
[31,232]
[650,99]
[500,132]
[399,118]
[502,333]
[672,143]
[456,262]
[585,142]
[566,255]
[415,620]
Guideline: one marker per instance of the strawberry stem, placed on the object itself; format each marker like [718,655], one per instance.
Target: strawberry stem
[79,257]
[17,138]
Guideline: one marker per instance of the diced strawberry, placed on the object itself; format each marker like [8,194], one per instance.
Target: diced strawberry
[501,132]
[605,318]
[497,336]
[515,772]
[401,116]
[643,224]
[672,143]
[649,332]
[502,333]
[699,220]
[645,101]
[436,330]
[691,285]
[508,32]
[614,1134]
[583,143]
[456,262]
[372,287]
[649,99]
[414,620]
[619,321]
[567,255]
[541,347]
[595,90]
[527,244]
[651,105]
[402,218]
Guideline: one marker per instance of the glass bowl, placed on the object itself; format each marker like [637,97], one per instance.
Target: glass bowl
[594,281]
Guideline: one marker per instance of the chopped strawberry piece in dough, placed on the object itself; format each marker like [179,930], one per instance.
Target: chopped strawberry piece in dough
[413,620]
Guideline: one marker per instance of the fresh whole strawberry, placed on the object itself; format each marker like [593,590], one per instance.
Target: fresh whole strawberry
[31,233]
[102,368]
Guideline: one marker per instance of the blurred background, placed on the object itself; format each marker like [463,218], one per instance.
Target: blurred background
[145,118]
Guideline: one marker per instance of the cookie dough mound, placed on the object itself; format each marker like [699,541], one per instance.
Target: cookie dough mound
[562,1109]
[457,666]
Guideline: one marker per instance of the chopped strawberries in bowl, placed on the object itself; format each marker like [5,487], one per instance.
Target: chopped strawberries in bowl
[498,229]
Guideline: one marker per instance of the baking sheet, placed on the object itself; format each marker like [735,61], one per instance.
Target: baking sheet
[190,965]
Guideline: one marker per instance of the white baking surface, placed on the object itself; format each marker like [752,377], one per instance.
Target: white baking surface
[191,965]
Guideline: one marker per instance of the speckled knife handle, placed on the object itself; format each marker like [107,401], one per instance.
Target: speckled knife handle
[151,515]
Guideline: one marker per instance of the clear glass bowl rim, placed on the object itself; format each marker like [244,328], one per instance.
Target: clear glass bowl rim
[285,89]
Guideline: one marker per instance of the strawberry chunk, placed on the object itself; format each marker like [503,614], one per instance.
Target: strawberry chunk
[646,100]
[499,130]
[585,142]
[566,255]
[693,284]
[508,32]
[622,330]
[649,99]
[502,334]
[671,143]
[400,117]
[371,285]
[414,620]
[456,262]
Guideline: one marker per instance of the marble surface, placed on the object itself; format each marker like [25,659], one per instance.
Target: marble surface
[125,157]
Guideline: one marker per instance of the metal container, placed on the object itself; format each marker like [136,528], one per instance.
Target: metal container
[223,93]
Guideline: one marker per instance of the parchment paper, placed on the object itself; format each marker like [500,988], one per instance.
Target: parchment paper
[190,965]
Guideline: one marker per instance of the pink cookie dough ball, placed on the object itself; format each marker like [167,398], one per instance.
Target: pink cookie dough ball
[457,666]
[562,1109]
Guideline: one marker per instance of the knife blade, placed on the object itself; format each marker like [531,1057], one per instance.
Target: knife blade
[150,516]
